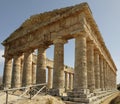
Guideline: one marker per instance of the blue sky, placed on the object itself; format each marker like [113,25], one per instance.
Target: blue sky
[105,12]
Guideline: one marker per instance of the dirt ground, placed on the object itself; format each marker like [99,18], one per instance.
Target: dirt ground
[46,99]
[3,98]
[116,100]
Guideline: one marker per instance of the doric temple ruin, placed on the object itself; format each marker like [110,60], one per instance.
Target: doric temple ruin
[94,74]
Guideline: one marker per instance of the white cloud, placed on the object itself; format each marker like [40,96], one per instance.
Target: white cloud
[1,58]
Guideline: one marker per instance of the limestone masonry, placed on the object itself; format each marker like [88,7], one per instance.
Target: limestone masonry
[94,75]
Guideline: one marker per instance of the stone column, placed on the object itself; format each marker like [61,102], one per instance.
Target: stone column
[58,72]
[27,69]
[21,71]
[16,81]
[7,72]
[111,78]
[101,73]
[66,81]
[97,70]
[90,66]
[50,77]
[115,84]
[33,73]
[70,81]
[105,75]
[108,77]
[104,69]
[80,71]
[41,65]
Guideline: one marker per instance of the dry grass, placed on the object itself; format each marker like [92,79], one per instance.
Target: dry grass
[46,99]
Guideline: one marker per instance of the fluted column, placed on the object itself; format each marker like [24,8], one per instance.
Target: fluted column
[16,81]
[50,77]
[97,70]
[58,72]
[7,72]
[80,72]
[27,69]
[41,65]
[115,84]
[105,75]
[33,73]
[66,81]
[90,66]
[111,79]
[21,69]
[101,73]
[71,81]
[107,79]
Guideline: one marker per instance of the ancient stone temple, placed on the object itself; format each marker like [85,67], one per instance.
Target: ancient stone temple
[94,74]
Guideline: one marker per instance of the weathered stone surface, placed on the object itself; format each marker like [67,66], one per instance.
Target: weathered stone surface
[80,75]
[41,66]
[27,69]
[16,81]
[94,70]
[7,72]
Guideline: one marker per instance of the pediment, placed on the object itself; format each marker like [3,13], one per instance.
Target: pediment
[42,19]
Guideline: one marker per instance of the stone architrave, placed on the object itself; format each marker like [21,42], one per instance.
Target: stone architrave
[7,72]
[16,81]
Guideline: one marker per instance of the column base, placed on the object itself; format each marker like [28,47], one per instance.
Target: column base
[81,96]
[57,92]
[7,86]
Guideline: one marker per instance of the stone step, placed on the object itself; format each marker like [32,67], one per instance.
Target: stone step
[97,99]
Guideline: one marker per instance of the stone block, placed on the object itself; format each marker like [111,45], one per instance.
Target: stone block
[56,92]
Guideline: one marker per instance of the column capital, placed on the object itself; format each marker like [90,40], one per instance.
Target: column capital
[101,56]
[59,40]
[49,67]
[43,46]
[80,34]
[90,43]
[17,55]
[7,56]
[29,51]
[96,51]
